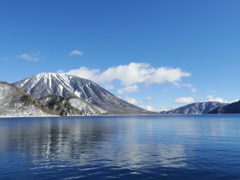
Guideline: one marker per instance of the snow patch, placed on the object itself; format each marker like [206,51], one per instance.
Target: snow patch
[78,93]
[85,108]
[61,89]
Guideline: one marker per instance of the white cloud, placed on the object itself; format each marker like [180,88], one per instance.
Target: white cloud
[190,87]
[84,72]
[147,100]
[154,109]
[28,57]
[186,85]
[131,74]
[128,89]
[131,100]
[211,98]
[76,52]
[108,86]
[184,100]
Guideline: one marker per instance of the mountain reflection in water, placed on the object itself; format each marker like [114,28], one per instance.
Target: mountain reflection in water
[137,145]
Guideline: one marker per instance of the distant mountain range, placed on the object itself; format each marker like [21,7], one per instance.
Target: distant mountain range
[195,108]
[206,108]
[45,84]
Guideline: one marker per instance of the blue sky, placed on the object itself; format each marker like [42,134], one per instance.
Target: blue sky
[157,54]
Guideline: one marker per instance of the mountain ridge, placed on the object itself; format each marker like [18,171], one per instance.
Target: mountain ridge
[195,108]
[65,85]
[16,103]
[232,108]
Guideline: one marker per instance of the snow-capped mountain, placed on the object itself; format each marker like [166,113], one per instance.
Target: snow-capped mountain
[195,108]
[65,85]
[69,106]
[231,108]
[16,103]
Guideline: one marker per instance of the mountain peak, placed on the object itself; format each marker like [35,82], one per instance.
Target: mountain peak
[49,75]
[65,85]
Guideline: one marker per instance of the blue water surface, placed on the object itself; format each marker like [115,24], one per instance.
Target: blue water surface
[121,147]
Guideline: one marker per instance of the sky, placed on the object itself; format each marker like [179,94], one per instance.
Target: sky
[157,54]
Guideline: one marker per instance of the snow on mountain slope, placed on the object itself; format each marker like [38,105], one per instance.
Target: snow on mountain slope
[195,108]
[16,103]
[44,84]
[65,85]
[85,107]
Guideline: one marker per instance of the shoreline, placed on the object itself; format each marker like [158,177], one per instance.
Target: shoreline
[1,117]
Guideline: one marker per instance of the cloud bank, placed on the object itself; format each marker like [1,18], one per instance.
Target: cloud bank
[131,74]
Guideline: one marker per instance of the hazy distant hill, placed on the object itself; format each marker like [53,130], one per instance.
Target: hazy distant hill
[64,85]
[195,108]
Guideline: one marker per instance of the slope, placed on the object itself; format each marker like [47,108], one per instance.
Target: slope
[14,102]
[65,85]
[195,108]
[232,108]
[69,106]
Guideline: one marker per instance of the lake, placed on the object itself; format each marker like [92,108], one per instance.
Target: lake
[121,147]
